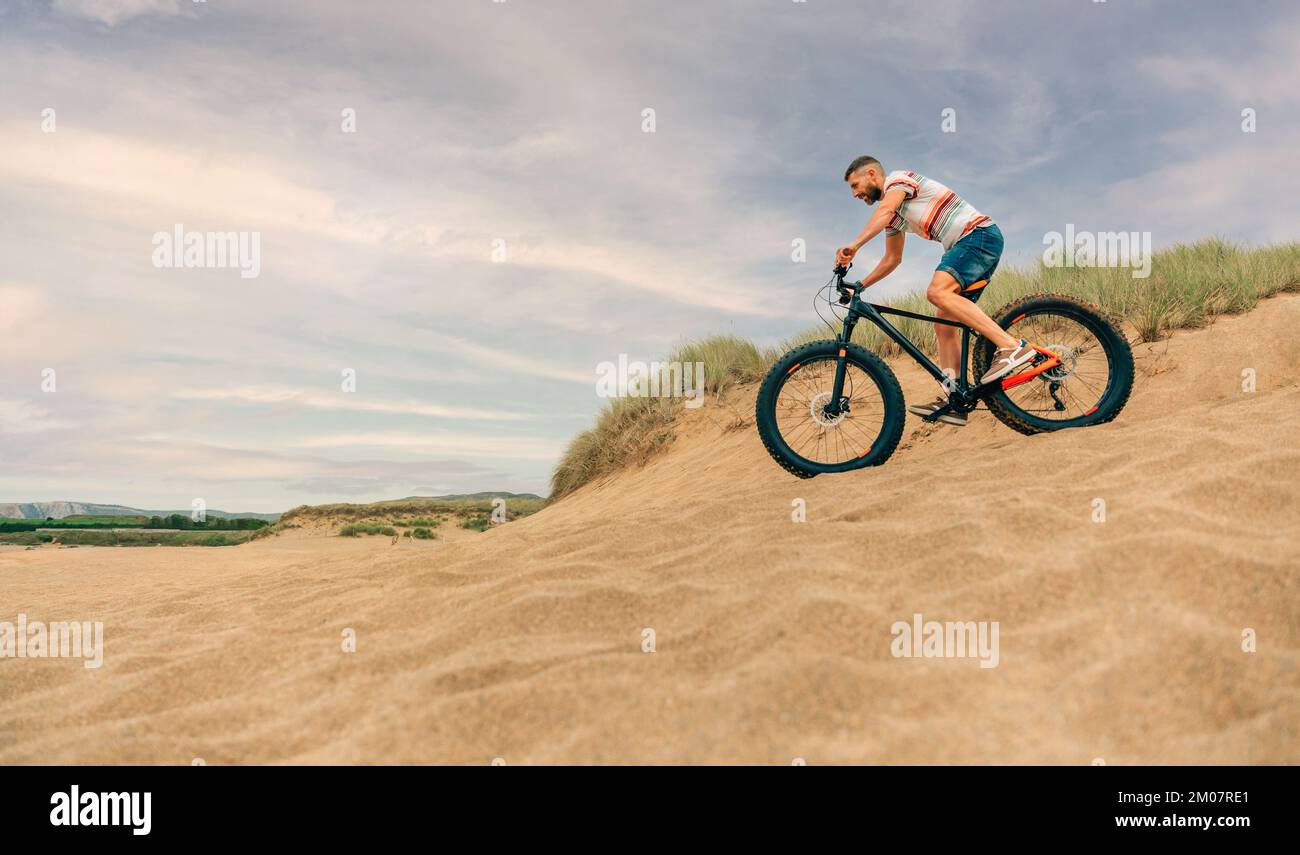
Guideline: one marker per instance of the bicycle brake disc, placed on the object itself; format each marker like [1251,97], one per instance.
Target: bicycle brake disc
[1068,363]
[816,408]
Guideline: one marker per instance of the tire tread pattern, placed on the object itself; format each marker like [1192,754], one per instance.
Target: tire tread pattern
[877,368]
[1008,414]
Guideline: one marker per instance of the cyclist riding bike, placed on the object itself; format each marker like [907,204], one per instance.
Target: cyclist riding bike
[972,245]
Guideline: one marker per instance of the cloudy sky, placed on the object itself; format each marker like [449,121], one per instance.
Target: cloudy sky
[519,127]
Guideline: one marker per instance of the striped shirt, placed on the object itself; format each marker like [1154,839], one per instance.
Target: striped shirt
[931,210]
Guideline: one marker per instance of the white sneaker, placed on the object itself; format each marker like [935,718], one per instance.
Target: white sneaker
[1007,360]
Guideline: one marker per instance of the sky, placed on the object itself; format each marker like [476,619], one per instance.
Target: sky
[463,208]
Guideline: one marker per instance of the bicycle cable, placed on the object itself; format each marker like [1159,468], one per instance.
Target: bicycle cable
[831,300]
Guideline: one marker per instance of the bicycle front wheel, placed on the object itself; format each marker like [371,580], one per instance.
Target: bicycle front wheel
[808,433]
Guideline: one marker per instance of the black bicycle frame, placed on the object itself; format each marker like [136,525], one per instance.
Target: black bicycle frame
[962,396]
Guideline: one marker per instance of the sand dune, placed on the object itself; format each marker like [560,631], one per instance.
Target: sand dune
[1118,640]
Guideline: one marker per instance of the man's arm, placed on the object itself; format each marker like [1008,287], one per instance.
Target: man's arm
[883,216]
[892,258]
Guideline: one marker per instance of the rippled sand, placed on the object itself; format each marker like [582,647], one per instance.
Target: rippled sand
[1119,640]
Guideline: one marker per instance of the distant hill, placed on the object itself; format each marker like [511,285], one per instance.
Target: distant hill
[59,510]
[487,495]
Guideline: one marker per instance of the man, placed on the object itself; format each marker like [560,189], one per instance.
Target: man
[972,246]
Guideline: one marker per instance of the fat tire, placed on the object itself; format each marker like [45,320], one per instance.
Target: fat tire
[890,392]
[1117,348]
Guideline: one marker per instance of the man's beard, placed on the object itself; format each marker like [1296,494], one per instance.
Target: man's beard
[873,195]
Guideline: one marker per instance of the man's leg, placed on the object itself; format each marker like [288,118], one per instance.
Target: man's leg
[944,293]
[949,344]
[949,339]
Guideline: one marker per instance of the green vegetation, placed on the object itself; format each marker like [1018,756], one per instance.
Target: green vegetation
[397,509]
[172,530]
[727,359]
[632,430]
[128,537]
[425,522]
[182,522]
[422,534]
[358,529]
[476,523]
[1189,284]
[629,431]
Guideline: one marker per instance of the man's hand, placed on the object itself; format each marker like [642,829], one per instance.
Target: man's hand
[844,256]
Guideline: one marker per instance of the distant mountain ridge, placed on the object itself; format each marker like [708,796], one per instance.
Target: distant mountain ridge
[490,494]
[59,510]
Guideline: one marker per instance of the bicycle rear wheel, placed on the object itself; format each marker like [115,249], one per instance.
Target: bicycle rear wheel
[1089,387]
[792,410]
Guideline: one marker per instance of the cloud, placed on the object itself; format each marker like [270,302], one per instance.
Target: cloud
[344,402]
[1214,194]
[23,305]
[166,184]
[451,445]
[113,12]
[1266,73]
[522,121]
[24,417]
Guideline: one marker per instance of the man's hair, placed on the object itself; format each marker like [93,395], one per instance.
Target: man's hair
[860,162]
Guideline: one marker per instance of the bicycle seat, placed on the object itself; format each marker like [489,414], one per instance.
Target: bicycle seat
[974,291]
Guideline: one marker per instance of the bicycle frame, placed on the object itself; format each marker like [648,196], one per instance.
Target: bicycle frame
[962,395]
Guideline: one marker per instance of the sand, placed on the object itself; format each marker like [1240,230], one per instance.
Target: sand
[1119,641]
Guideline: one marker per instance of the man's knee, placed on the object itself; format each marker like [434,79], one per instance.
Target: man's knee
[943,287]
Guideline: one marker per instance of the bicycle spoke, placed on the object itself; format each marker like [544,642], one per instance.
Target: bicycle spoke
[809,433]
[1082,378]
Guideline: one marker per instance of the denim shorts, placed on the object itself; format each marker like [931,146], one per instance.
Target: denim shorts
[974,257]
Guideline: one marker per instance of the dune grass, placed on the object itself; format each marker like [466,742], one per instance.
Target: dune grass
[358,529]
[421,522]
[1188,285]
[396,510]
[632,430]
[413,512]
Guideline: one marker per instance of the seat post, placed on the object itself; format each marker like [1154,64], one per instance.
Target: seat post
[965,355]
